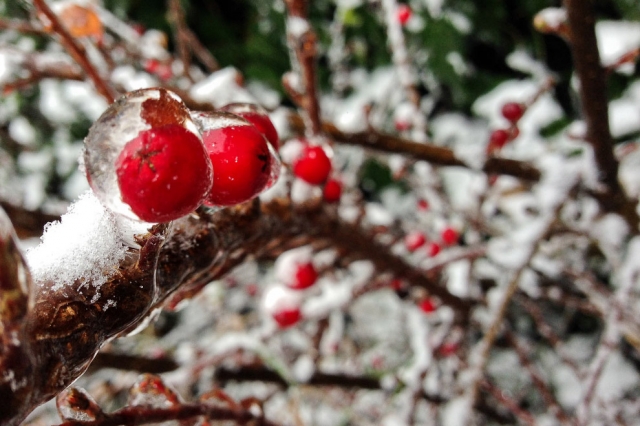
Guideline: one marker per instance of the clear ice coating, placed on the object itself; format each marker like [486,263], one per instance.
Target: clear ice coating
[207,121]
[124,119]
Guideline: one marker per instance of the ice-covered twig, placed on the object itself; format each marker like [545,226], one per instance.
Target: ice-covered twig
[402,63]
[537,379]
[627,279]
[302,40]
[141,415]
[21,26]
[479,355]
[523,415]
[77,51]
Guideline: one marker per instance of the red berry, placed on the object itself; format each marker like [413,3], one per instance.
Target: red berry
[258,117]
[332,191]
[241,163]
[512,111]
[423,204]
[404,13]
[427,306]
[433,249]
[397,284]
[151,65]
[414,240]
[449,236]
[163,173]
[305,276]
[287,317]
[448,349]
[313,166]
[252,289]
[499,138]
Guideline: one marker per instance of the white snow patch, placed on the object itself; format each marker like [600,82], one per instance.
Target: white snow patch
[85,246]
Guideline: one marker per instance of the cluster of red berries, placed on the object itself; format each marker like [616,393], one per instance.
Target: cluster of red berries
[313,166]
[178,159]
[416,239]
[513,112]
[294,269]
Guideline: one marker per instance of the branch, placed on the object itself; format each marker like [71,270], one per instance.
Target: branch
[433,154]
[593,97]
[76,51]
[303,39]
[140,415]
[64,328]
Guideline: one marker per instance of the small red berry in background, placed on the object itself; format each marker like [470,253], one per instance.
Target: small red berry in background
[313,165]
[304,277]
[257,116]
[427,306]
[163,173]
[423,204]
[497,140]
[449,236]
[241,162]
[397,284]
[404,13]
[332,191]
[414,240]
[513,111]
[448,349]
[433,249]
[252,289]
[287,317]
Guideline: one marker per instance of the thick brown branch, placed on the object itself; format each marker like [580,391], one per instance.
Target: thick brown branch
[593,97]
[66,327]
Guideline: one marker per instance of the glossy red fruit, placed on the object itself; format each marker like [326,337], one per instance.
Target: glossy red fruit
[332,191]
[304,277]
[258,117]
[163,173]
[241,161]
[414,240]
[433,249]
[312,166]
[427,306]
[513,111]
[404,13]
[449,236]
[287,317]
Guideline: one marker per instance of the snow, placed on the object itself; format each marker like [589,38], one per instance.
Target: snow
[22,131]
[297,26]
[221,88]
[615,38]
[287,264]
[84,247]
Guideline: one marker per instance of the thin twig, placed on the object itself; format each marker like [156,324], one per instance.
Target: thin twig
[303,40]
[140,415]
[76,51]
